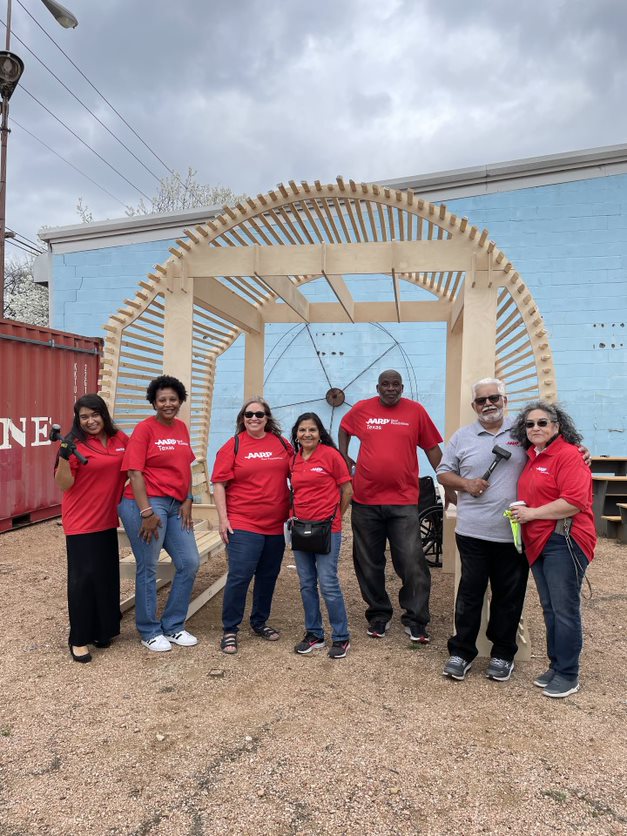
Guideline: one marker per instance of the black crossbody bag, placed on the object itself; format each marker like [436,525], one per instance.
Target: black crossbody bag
[313,536]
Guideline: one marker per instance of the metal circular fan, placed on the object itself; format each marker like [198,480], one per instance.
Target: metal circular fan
[331,385]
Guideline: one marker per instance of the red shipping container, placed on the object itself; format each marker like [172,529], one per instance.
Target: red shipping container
[42,373]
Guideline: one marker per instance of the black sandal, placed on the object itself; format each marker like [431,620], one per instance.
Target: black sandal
[228,644]
[267,633]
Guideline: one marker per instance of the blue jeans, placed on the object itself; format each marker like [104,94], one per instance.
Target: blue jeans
[251,555]
[180,544]
[558,576]
[322,568]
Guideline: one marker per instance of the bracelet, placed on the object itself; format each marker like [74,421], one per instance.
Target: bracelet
[143,513]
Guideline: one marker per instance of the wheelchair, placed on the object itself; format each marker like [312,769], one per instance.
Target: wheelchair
[431,520]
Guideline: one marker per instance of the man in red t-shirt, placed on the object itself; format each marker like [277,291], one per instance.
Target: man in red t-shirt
[385,502]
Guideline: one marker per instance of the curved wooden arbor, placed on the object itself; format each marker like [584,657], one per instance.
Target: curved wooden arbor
[245,268]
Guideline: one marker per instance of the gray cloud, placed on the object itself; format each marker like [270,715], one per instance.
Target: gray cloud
[251,93]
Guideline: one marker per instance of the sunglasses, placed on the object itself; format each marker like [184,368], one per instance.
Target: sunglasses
[491,398]
[250,414]
[541,422]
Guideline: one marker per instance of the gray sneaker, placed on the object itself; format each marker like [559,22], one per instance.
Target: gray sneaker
[456,668]
[560,687]
[543,680]
[500,669]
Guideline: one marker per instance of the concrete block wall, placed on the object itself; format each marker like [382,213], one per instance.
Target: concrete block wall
[568,241]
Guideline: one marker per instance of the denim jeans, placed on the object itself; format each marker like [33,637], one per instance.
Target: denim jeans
[180,544]
[398,524]
[507,571]
[558,575]
[251,555]
[322,569]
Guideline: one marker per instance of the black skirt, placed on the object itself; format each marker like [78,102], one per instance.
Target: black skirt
[93,586]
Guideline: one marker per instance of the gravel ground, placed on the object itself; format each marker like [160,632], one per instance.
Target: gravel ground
[193,742]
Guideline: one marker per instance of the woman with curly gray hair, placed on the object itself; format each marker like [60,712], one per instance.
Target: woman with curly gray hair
[558,533]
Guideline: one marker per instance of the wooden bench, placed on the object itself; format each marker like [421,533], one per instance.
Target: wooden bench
[209,544]
[608,492]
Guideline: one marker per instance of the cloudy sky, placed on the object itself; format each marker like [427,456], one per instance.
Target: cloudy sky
[255,92]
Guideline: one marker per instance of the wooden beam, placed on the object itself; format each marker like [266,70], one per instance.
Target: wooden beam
[287,290]
[225,303]
[336,259]
[363,312]
[342,294]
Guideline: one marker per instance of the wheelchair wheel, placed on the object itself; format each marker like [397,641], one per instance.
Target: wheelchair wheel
[431,523]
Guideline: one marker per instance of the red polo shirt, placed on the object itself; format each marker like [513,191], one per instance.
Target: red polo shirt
[257,496]
[163,455]
[316,484]
[91,504]
[558,472]
[387,466]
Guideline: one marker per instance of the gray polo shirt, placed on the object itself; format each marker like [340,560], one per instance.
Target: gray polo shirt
[469,454]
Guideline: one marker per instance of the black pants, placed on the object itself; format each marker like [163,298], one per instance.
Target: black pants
[93,586]
[398,524]
[507,572]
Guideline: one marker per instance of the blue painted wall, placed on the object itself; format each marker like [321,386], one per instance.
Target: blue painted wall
[569,243]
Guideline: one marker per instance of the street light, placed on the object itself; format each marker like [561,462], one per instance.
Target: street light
[11,69]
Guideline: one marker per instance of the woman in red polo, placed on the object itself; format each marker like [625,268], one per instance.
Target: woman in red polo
[321,486]
[251,495]
[91,493]
[558,533]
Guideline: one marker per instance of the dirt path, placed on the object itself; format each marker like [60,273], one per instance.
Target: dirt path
[192,742]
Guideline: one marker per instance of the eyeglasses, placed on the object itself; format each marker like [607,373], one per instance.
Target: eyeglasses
[541,422]
[249,414]
[491,398]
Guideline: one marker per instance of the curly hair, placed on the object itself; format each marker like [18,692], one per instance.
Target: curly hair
[325,438]
[96,404]
[566,426]
[165,381]
[272,425]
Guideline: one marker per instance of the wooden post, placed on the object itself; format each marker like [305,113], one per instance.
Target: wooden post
[254,355]
[177,332]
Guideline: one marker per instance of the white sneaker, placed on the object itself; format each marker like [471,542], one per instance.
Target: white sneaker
[159,644]
[183,638]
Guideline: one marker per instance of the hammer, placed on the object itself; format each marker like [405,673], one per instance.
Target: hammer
[500,454]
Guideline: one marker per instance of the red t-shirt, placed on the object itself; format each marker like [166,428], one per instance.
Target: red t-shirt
[316,484]
[558,472]
[91,504]
[257,496]
[387,466]
[163,455]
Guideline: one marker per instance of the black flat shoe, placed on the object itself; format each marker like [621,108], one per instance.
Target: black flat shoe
[103,645]
[86,657]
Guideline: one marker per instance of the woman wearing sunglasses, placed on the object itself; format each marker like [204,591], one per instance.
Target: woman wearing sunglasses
[558,533]
[252,499]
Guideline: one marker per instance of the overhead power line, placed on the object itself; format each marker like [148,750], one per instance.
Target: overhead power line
[87,108]
[56,153]
[186,186]
[18,246]
[82,141]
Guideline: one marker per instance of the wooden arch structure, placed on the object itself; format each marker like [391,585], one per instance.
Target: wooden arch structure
[247,267]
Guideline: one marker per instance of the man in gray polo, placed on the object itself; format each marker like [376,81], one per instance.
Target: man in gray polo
[483,534]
